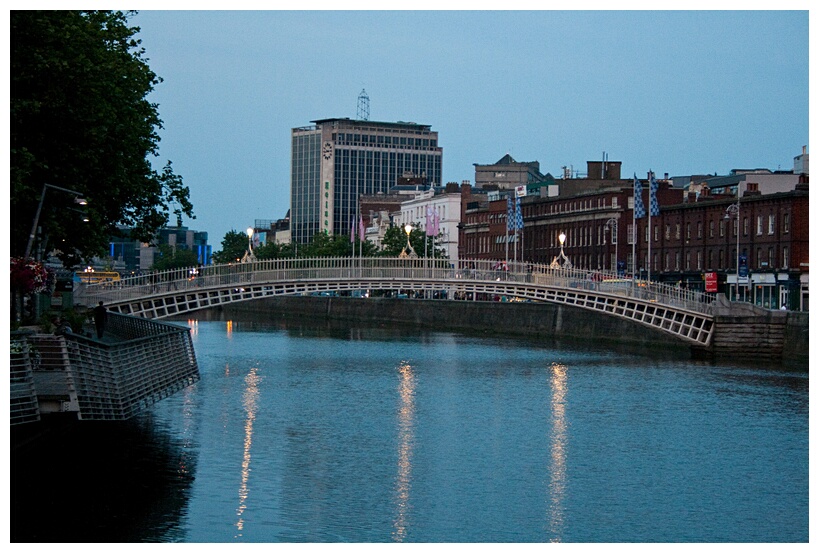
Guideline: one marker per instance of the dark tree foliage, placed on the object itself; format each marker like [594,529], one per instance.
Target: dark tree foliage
[234,247]
[174,258]
[271,250]
[80,119]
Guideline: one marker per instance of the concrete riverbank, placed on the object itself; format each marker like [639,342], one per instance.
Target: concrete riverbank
[556,322]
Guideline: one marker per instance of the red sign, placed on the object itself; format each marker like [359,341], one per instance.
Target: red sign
[710,282]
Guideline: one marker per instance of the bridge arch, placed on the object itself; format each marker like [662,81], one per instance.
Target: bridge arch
[681,313]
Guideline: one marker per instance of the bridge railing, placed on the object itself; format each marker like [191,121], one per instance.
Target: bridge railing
[444,271]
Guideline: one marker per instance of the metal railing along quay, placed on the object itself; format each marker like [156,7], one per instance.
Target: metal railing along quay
[140,362]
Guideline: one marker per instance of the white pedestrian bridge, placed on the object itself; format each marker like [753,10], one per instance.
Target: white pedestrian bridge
[687,315]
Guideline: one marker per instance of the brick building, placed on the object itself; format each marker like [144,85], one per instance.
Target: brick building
[690,237]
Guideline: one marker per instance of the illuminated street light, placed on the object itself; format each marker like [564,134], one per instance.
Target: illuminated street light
[408,251]
[561,261]
[249,255]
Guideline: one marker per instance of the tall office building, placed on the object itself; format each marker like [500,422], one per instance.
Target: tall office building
[335,161]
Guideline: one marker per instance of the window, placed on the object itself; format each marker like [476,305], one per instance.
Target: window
[722,228]
[785,260]
[677,236]
[688,231]
[667,235]
[771,223]
[699,229]
[711,229]
[745,226]
[759,225]
[786,223]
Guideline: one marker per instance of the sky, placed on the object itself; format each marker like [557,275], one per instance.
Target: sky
[677,92]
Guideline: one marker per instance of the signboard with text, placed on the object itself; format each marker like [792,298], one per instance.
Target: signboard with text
[710,282]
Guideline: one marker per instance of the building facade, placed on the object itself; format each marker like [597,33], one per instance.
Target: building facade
[507,173]
[336,161]
[128,255]
[692,240]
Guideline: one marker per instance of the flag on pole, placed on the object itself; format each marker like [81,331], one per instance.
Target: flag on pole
[510,214]
[428,226]
[352,232]
[361,231]
[436,223]
[639,208]
[653,205]
[518,215]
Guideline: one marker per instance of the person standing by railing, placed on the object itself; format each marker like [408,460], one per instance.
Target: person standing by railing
[100,318]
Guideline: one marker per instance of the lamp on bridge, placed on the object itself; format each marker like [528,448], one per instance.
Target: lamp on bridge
[408,251]
[733,211]
[249,255]
[612,224]
[561,261]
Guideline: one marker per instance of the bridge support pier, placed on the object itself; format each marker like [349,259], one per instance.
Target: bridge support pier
[745,331]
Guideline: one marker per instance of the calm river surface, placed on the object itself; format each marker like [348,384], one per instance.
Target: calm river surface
[304,433]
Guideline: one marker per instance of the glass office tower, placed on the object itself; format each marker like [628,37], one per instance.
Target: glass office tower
[335,161]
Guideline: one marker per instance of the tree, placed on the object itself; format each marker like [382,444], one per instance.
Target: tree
[234,246]
[80,120]
[326,245]
[270,250]
[174,258]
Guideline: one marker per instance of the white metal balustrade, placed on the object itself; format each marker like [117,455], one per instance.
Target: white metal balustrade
[684,313]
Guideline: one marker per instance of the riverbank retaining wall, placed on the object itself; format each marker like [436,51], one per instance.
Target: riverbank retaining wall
[785,337]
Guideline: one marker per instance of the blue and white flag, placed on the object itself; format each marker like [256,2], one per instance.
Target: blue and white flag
[639,208]
[510,214]
[653,205]
[518,215]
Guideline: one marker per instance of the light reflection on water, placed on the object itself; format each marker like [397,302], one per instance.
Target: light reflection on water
[406,409]
[557,470]
[306,434]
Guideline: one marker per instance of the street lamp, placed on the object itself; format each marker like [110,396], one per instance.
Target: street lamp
[733,211]
[612,224]
[78,199]
[408,251]
[249,256]
[561,261]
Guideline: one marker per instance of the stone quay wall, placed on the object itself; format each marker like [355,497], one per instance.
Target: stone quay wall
[750,333]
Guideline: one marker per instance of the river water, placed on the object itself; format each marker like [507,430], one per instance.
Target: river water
[303,432]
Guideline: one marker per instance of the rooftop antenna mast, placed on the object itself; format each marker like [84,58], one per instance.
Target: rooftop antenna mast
[363,113]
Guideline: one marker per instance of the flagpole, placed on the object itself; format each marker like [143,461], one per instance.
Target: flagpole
[633,228]
[650,209]
[508,219]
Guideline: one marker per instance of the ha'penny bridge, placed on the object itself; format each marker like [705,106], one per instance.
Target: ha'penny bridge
[142,359]
[685,314]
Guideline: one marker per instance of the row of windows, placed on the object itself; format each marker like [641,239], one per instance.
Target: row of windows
[765,259]
[763,225]
[352,139]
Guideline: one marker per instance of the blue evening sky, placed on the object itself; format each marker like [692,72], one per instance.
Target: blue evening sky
[677,92]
